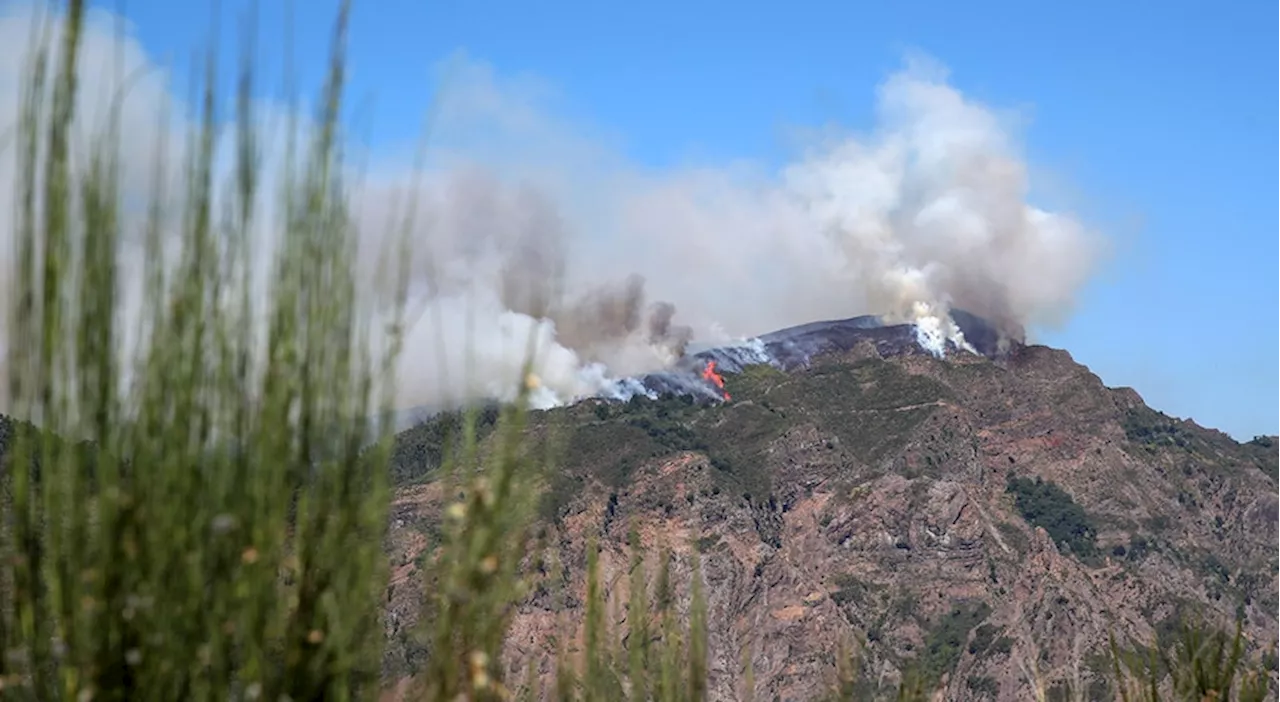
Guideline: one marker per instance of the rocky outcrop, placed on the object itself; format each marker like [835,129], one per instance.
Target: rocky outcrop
[867,499]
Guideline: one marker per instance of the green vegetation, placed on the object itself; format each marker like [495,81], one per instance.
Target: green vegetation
[608,442]
[872,406]
[983,637]
[421,450]
[1013,536]
[983,686]
[1197,662]
[707,543]
[1138,549]
[946,641]
[1266,458]
[1044,504]
[873,384]
[1153,429]
[849,590]
[618,438]
[855,682]
[221,536]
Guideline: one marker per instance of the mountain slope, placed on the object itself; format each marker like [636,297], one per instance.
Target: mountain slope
[974,515]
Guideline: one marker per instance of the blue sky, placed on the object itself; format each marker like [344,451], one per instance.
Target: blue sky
[1151,120]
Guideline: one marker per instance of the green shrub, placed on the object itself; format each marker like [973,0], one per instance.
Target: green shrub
[1042,503]
[983,685]
[1153,429]
[1003,645]
[946,641]
[849,590]
[420,451]
[983,637]
[1197,662]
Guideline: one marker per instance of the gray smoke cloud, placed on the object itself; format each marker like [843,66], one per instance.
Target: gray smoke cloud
[531,225]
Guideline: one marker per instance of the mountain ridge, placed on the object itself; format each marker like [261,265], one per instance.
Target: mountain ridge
[965,514]
[784,348]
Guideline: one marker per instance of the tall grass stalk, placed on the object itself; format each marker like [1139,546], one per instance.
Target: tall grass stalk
[666,665]
[476,575]
[219,534]
[1199,663]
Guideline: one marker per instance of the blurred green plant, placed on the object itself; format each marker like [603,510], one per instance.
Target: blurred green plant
[1199,663]
[220,535]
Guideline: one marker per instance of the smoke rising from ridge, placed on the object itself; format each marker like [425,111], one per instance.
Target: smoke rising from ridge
[526,228]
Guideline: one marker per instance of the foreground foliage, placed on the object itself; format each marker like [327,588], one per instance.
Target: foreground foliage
[222,539]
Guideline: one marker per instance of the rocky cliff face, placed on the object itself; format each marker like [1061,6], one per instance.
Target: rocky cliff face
[985,520]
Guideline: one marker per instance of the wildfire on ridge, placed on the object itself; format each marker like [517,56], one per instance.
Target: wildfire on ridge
[709,373]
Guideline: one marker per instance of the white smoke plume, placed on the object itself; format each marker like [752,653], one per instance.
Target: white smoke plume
[527,227]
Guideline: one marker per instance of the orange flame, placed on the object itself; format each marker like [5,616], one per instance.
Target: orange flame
[709,373]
